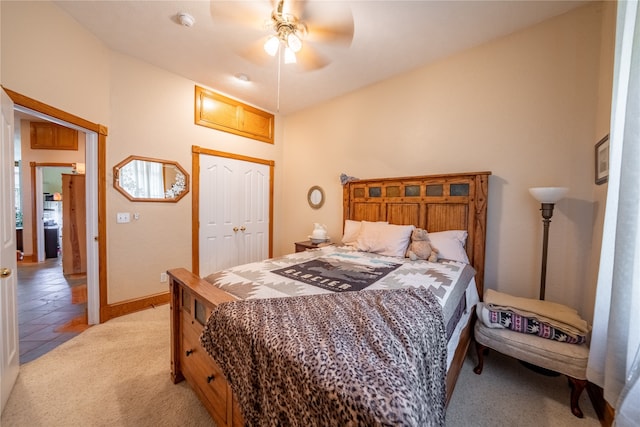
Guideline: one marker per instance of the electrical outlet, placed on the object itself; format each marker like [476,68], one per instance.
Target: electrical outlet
[163,277]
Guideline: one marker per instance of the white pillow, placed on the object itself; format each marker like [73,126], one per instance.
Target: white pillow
[384,239]
[450,244]
[352,230]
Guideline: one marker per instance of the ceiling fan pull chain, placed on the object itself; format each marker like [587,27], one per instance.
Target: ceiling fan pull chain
[279,65]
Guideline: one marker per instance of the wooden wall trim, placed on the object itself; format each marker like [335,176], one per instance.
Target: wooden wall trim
[605,412]
[43,108]
[118,309]
[102,132]
[195,212]
[102,220]
[201,150]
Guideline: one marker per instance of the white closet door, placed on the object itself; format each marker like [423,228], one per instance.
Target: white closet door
[234,212]
[253,238]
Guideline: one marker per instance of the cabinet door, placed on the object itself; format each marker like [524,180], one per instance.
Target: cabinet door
[50,136]
[233,213]
[229,115]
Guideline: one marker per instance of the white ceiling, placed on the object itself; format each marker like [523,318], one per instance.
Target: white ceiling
[390,37]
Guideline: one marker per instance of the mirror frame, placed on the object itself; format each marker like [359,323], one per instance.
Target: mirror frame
[116,179]
[312,190]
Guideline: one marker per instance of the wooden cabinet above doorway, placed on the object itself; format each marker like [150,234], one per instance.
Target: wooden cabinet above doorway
[228,115]
[50,136]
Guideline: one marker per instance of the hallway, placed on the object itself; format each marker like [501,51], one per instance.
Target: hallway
[51,308]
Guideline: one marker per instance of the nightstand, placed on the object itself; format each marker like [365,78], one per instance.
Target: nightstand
[303,246]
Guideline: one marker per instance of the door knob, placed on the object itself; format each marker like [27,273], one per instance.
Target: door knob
[235,228]
[5,272]
[243,228]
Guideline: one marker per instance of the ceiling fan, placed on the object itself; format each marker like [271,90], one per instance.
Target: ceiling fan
[298,31]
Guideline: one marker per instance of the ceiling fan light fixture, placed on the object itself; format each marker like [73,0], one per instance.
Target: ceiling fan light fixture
[294,42]
[289,56]
[271,45]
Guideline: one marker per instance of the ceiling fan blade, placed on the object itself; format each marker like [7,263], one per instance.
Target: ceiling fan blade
[309,59]
[289,7]
[328,21]
[254,14]
[337,33]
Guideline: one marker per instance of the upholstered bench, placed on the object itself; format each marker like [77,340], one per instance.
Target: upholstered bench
[567,359]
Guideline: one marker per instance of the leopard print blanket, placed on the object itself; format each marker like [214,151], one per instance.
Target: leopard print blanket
[369,358]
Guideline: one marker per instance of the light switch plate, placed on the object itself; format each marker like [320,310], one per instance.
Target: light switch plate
[122,217]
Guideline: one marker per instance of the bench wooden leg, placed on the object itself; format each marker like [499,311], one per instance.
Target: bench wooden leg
[577,386]
[481,350]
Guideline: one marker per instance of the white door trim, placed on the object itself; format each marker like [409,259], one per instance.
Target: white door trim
[93,260]
[39,213]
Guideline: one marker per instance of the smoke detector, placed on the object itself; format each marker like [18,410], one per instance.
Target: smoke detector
[185,19]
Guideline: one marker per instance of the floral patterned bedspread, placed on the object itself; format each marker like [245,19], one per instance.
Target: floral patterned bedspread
[375,357]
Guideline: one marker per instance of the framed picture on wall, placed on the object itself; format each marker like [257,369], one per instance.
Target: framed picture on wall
[602,160]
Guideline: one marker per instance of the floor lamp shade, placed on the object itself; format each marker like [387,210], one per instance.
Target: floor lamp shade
[547,196]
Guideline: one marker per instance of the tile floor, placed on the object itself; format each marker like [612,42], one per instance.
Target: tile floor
[52,308]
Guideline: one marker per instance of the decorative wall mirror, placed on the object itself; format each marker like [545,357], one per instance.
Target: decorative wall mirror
[315,197]
[143,179]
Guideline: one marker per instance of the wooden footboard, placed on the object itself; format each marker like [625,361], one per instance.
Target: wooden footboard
[192,300]
[459,356]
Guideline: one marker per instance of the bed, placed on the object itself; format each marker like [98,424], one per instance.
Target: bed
[448,204]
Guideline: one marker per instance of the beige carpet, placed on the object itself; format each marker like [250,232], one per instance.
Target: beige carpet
[117,374]
[114,374]
[509,394]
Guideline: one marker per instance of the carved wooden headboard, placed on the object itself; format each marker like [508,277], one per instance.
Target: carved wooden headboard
[432,202]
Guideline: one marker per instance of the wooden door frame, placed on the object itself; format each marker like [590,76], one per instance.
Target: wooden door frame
[195,198]
[102,132]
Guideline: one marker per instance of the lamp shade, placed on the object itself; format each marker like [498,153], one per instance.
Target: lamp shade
[271,45]
[548,194]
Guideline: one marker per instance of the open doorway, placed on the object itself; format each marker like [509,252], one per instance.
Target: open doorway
[52,302]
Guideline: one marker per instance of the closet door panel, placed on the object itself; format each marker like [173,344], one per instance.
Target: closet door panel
[234,213]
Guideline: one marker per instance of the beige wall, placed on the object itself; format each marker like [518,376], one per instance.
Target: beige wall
[602,122]
[154,118]
[47,56]
[148,112]
[527,107]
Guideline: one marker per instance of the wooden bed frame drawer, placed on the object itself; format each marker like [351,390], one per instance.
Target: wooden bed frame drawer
[202,371]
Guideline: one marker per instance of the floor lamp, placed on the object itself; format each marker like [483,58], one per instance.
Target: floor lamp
[547,196]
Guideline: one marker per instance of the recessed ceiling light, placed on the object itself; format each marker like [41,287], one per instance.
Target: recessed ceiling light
[243,77]
[185,19]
